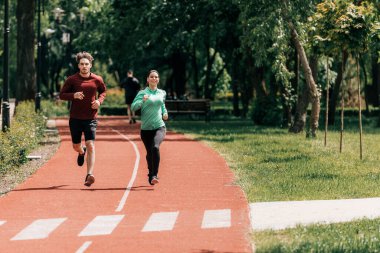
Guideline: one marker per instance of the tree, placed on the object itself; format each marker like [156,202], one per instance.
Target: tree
[268,27]
[345,26]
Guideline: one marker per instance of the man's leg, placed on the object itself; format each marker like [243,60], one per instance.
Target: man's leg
[90,146]
[89,134]
[76,129]
[133,116]
[129,113]
[78,148]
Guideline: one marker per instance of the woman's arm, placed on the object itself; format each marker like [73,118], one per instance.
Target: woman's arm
[138,101]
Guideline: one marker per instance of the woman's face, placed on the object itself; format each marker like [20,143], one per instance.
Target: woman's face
[153,78]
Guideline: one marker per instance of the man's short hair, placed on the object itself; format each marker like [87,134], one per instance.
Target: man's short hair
[84,54]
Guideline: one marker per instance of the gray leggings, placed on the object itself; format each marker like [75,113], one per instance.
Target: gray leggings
[152,140]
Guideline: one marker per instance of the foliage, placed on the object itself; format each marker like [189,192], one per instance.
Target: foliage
[54,108]
[341,25]
[115,97]
[12,47]
[267,111]
[267,37]
[27,128]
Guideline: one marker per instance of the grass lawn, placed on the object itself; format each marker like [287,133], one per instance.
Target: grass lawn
[271,164]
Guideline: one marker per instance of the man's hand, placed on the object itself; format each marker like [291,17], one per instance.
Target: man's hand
[79,95]
[95,104]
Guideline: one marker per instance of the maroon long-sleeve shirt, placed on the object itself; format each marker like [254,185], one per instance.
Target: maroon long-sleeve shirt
[81,109]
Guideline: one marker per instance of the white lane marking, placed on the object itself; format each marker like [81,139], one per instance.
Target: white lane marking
[84,247]
[39,229]
[288,214]
[101,225]
[161,221]
[134,173]
[2,222]
[217,218]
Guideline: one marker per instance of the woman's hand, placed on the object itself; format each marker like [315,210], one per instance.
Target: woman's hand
[145,98]
[165,116]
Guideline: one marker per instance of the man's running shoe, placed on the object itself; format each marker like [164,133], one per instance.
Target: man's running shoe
[80,159]
[90,179]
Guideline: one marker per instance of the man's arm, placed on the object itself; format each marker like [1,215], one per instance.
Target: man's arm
[66,92]
[102,91]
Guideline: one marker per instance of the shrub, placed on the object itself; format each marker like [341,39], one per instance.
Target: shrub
[54,108]
[267,111]
[115,97]
[26,131]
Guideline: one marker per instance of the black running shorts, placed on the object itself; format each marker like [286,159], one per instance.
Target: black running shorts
[79,126]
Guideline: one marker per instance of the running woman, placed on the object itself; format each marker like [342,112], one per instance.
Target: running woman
[151,101]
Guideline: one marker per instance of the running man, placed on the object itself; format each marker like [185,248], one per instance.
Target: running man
[82,89]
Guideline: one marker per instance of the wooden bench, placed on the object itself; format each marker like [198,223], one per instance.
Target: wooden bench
[191,107]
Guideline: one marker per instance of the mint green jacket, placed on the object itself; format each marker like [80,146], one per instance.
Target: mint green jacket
[152,109]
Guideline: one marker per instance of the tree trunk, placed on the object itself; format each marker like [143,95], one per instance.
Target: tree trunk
[26,70]
[296,79]
[246,86]
[194,65]
[336,89]
[210,62]
[301,110]
[235,86]
[303,100]
[366,86]
[376,77]
[314,93]
[179,73]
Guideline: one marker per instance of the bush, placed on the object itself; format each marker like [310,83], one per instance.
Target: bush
[113,110]
[26,131]
[267,111]
[115,97]
[54,108]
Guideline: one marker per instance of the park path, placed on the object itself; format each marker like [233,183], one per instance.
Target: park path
[196,207]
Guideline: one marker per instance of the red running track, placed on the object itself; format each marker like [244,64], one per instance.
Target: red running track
[196,207]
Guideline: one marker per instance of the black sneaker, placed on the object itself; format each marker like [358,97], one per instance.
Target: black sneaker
[80,159]
[90,179]
[154,180]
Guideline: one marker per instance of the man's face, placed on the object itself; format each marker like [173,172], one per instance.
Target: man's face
[84,66]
